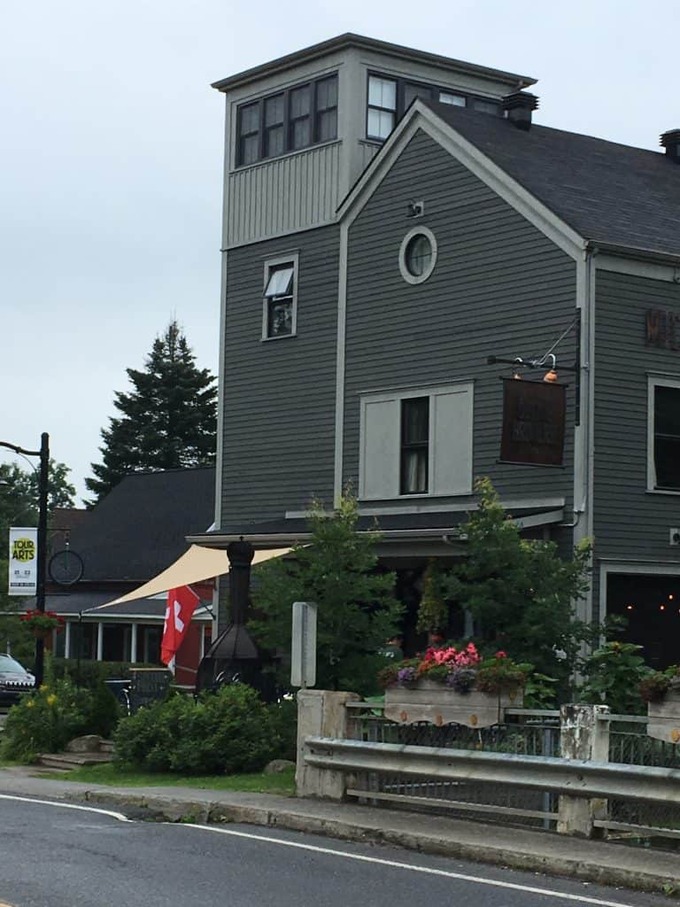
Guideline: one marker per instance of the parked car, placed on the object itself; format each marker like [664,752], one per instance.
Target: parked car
[14,680]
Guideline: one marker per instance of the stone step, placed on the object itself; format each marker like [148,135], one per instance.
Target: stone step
[73,760]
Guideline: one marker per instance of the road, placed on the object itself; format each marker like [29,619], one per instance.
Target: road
[55,855]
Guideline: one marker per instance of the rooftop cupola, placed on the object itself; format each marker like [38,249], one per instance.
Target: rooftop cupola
[519,106]
[671,142]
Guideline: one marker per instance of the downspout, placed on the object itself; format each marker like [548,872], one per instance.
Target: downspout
[340,366]
[584,432]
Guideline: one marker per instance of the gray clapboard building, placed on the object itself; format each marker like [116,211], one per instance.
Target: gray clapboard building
[393,223]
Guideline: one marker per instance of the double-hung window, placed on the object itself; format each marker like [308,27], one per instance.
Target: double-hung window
[289,120]
[382,107]
[274,126]
[249,133]
[390,98]
[664,434]
[279,312]
[416,443]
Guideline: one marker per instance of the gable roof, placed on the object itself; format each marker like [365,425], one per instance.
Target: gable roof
[609,193]
[591,190]
[139,528]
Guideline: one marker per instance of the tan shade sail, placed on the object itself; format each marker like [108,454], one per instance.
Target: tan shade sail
[194,566]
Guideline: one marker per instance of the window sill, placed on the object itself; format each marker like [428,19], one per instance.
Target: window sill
[670,491]
[279,337]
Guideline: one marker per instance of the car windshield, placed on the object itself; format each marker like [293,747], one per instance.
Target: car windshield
[9,666]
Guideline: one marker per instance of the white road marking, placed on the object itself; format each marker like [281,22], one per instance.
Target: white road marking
[546,892]
[88,809]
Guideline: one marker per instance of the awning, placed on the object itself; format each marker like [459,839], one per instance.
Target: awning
[194,566]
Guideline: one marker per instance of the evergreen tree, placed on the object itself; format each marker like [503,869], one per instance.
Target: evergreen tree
[167,421]
[356,609]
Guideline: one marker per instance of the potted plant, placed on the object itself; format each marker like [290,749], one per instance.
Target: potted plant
[42,623]
[453,685]
[661,691]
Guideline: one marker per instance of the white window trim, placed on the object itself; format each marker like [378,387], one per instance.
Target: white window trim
[431,392]
[404,271]
[293,259]
[654,381]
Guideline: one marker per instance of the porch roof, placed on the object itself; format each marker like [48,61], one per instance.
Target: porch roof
[392,527]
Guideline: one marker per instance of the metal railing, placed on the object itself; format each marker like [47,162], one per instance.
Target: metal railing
[523,733]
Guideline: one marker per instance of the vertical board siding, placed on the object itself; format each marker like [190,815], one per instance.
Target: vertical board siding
[630,522]
[283,195]
[279,395]
[499,287]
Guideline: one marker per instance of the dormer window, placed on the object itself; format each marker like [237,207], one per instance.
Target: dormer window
[290,120]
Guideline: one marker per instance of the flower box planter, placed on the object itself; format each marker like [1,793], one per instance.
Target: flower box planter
[664,717]
[439,705]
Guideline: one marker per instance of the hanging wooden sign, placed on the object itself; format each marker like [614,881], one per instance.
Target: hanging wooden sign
[662,328]
[533,422]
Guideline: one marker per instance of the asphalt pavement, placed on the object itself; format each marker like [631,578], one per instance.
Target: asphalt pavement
[594,861]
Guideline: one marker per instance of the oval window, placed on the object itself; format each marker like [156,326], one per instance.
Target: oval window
[417,255]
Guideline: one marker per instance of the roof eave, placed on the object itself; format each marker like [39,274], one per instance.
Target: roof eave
[269,540]
[632,252]
[340,42]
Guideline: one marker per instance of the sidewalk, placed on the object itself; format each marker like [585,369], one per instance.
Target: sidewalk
[535,851]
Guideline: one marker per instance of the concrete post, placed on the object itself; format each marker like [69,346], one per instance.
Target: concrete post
[584,735]
[321,713]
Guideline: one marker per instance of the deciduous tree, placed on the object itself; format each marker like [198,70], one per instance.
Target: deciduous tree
[520,592]
[357,611]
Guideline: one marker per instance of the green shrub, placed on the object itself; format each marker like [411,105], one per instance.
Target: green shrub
[145,739]
[228,732]
[612,675]
[45,721]
[91,673]
[284,719]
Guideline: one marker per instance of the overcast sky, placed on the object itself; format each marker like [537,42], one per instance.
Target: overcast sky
[111,153]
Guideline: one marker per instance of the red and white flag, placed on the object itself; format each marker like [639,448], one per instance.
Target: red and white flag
[180,608]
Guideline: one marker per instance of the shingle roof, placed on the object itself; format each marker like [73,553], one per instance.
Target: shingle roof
[609,193]
[139,528]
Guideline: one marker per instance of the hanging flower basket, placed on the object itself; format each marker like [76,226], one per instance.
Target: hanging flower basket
[453,686]
[42,623]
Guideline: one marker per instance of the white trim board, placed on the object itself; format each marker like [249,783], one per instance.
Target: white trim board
[420,117]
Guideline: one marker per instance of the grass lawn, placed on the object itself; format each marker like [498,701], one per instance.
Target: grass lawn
[107,774]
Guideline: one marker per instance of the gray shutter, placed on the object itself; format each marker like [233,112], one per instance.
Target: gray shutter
[379,465]
[452,416]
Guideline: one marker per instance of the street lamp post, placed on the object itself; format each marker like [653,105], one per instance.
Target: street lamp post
[41,573]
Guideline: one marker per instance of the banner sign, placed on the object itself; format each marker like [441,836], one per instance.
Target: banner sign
[533,422]
[23,561]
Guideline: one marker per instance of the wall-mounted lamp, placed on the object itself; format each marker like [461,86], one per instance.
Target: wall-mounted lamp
[415,209]
[551,375]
